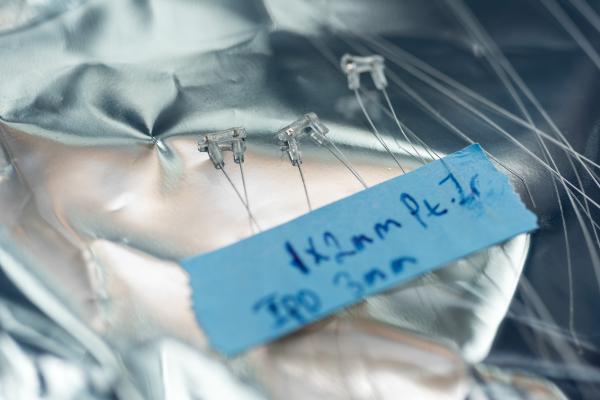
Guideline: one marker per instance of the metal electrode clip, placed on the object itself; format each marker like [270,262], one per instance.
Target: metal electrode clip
[233,139]
[354,66]
[308,125]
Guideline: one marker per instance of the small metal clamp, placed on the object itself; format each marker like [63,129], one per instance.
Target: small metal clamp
[308,125]
[233,139]
[354,66]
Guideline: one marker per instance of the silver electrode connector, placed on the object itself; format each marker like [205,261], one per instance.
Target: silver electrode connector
[233,139]
[354,66]
[288,137]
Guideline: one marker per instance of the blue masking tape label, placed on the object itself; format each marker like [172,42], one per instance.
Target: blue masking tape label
[280,280]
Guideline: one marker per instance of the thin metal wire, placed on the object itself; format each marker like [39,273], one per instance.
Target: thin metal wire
[420,69]
[375,131]
[587,12]
[398,81]
[337,153]
[506,68]
[390,109]
[572,29]
[304,186]
[239,195]
[457,131]
[433,155]
[244,184]
[397,121]
[245,190]
[326,52]
[428,149]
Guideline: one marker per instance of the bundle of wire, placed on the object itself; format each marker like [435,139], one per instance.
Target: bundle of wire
[137,133]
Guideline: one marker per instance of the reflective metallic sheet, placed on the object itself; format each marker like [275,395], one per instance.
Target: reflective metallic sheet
[103,191]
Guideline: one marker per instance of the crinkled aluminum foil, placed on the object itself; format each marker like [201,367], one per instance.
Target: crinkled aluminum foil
[103,191]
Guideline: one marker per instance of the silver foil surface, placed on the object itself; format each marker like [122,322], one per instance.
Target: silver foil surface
[103,191]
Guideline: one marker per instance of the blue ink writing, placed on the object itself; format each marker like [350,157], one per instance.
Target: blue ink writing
[397,264]
[413,207]
[318,257]
[296,260]
[433,210]
[345,279]
[274,282]
[463,198]
[382,229]
[297,307]
[372,276]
